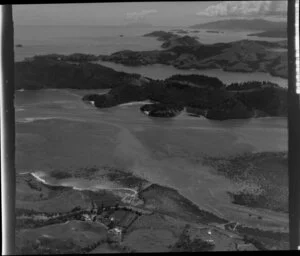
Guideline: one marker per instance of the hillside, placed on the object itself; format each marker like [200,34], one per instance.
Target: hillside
[201,96]
[57,71]
[186,53]
[162,221]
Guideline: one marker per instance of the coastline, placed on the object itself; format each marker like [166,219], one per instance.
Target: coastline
[113,179]
[140,200]
[139,138]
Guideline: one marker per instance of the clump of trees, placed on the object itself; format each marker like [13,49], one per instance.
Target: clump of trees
[55,71]
[250,85]
[162,110]
[60,174]
[201,80]
[185,244]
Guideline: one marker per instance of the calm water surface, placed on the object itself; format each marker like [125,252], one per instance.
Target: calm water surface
[55,129]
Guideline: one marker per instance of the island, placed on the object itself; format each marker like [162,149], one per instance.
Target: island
[214,31]
[214,101]
[198,95]
[186,52]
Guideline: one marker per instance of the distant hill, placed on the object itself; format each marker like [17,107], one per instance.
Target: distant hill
[242,24]
[277,33]
[187,53]
[60,71]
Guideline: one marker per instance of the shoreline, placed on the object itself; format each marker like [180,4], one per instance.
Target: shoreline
[102,62]
[157,192]
[136,192]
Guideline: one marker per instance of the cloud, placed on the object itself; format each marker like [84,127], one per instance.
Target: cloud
[247,9]
[139,15]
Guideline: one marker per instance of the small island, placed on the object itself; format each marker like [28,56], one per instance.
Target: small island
[181,31]
[214,31]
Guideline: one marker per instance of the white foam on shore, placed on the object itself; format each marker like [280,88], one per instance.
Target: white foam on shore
[47,236]
[135,103]
[72,186]
[38,175]
[24,173]
[32,119]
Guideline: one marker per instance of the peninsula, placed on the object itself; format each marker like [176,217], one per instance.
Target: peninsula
[198,95]
[186,52]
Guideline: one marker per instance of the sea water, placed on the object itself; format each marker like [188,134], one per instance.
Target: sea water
[55,129]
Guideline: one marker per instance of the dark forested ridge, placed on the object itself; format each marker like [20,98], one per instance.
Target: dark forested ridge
[198,94]
[205,96]
[52,71]
[186,52]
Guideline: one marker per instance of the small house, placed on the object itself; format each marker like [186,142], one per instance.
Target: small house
[115,234]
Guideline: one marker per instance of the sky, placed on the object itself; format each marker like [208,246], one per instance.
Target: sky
[155,13]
